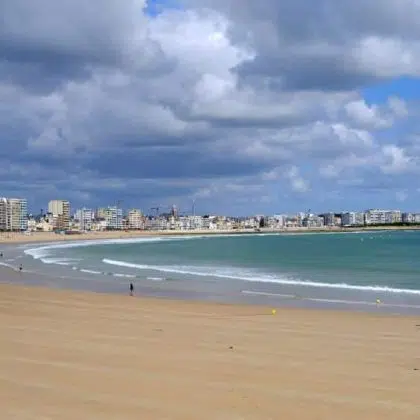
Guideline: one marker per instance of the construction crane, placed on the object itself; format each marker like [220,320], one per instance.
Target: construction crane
[155,209]
[173,210]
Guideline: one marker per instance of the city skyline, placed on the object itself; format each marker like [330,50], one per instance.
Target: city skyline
[55,207]
[318,110]
[60,217]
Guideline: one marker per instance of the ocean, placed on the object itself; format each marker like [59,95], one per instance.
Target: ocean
[363,270]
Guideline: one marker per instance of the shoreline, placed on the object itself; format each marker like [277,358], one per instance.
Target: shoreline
[151,282]
[74,355]
[17,237]
[237,292]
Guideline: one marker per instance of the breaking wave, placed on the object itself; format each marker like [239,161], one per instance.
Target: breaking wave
[240,274]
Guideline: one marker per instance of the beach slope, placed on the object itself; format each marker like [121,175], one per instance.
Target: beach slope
[69,355]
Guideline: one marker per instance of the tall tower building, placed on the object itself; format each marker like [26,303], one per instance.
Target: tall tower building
[60,210]
[114,217]
[4,214]
[13,214]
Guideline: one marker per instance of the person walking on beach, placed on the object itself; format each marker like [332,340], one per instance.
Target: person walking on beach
[131,289]
[20,268]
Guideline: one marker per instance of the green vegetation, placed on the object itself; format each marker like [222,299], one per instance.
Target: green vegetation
[399,224]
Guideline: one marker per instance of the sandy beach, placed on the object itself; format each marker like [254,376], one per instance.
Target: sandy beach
[17,237]
[70,355]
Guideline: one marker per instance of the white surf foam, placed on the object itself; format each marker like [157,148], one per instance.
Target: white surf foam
[85,270]
[44,250]
[156,278]
[338,301]
[238,274]
[6,265]
[59,261]
[129,276]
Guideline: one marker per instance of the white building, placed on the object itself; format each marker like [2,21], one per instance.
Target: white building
[381,217]
[209,223]
[329,219]
[60,211]
[280,220]
[13,214]
[135,219]
[4,214]
[85,218]
[195,222]
[352,218]
[313,221]
[114,218]
[250,223]
[410,218]
[157,223]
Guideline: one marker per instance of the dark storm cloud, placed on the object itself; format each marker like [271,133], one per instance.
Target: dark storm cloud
[170,164]
[315,73]
[316,45]
[99,102]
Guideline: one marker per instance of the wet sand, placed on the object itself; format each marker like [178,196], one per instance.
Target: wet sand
[71,355]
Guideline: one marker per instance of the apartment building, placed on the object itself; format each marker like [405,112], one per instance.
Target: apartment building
[100,213]
[13,214]
[85,218]
[352,218]
[158,223]
[313,221]
[280,220]
[380,217]
[114,218]
[135,219]
[60,211]
[4,214]
[411,217]
[329,219]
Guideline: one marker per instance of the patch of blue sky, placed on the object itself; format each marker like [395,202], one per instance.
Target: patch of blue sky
[156,7]
[406,88]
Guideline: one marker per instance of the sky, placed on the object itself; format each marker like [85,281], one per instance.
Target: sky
[244,107]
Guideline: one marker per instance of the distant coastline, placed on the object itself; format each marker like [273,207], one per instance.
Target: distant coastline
[16,237]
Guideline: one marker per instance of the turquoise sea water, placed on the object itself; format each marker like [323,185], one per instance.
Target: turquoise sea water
[388,259]
[330,267]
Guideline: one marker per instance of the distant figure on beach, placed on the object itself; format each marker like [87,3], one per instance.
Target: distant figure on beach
[1,254]
[20,268]
[131,289]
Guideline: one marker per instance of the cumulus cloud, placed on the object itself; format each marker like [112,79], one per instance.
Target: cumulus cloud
[226,102]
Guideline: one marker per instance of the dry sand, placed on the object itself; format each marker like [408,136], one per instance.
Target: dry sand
[68,355]
[17,237]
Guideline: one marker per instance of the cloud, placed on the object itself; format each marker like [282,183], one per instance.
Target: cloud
[245,106]
[298,184]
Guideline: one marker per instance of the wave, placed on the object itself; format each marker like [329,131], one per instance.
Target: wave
[238,274]
[44,251]
[7,265]
[325,300]
[40,252]
[85,270]
[129,276]
[59,261]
